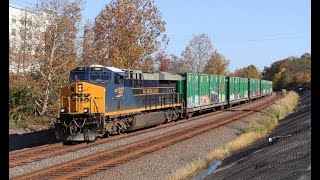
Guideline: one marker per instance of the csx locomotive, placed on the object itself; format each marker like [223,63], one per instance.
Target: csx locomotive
[101,101]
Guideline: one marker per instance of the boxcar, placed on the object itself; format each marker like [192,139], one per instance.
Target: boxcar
[266,87]
[237,89]
[263,87]
[203,92]
[254,88]
[269,87]
[218,89]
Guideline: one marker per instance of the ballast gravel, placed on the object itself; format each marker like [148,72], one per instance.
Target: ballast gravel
[156,165]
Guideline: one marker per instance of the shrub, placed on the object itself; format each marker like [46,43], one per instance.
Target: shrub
[21,107]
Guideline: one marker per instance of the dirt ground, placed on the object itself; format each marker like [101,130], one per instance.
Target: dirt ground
[288,156]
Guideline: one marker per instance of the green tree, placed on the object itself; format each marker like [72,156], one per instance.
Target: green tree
[21,106]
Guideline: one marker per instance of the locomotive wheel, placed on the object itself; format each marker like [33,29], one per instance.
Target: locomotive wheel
[168,116]
[73,129]
[189,115]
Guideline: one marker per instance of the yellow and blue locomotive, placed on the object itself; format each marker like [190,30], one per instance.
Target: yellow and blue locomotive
[101,101]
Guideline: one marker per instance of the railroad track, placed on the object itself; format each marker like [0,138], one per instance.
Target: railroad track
[35,154]
[83,167]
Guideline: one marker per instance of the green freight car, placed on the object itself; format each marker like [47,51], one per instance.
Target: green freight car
[269,87]
[266,87]
[218,89]
[237,89]
[263,88]
[202,92]
[212,90]
[254,88]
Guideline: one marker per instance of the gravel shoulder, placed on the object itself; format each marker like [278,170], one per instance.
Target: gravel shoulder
[156,165]
[287,157]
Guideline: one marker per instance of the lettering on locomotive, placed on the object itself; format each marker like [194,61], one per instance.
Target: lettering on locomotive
[150,90]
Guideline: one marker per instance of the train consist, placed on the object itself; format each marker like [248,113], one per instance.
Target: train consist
[101,101]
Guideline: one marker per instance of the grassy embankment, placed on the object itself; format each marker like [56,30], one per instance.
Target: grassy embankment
[255,130]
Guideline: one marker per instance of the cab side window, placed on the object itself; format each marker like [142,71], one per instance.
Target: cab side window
[118,79]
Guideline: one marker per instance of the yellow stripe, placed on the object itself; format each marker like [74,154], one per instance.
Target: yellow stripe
[140,109]
[154,94]
[152,87]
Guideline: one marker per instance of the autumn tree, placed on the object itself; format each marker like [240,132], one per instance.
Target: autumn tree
[58,55]
[55,55]
[148,64]
[290,72]
[163,61]
[217,64]
[187,62]
[198,52]
[175,65]
[88,53]
[127,31]
[250,71]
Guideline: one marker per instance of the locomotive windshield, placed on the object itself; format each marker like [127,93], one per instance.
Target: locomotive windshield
[74,77]
[97,75]
[100,77]
[93,77]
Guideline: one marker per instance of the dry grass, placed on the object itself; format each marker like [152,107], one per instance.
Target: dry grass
[264,125]
[242,141]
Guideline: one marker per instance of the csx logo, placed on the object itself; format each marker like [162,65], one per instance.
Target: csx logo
[120,91]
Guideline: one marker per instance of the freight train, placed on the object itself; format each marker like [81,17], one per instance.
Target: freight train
[100,101]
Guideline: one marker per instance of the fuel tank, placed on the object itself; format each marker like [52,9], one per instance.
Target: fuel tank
[147,120]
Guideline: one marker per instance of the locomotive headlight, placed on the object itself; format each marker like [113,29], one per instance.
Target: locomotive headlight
[63,110]
[86,110]
[80,87]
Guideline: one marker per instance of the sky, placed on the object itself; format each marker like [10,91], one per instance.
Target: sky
[246,32]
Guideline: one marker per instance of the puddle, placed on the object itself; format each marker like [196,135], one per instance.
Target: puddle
[208,171]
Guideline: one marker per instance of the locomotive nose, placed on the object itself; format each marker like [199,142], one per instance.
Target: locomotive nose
[82,97]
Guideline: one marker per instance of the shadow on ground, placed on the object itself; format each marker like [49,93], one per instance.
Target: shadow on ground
[32,139]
